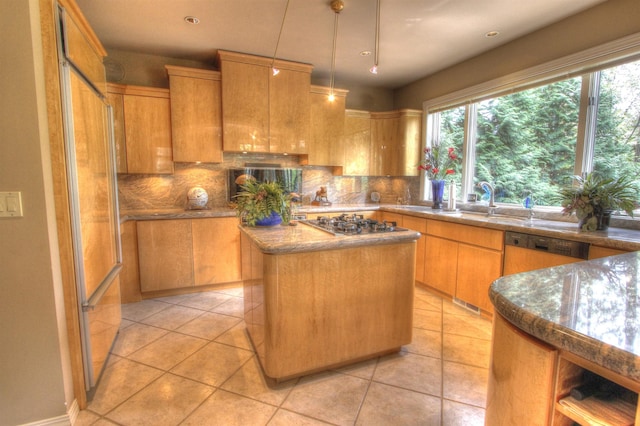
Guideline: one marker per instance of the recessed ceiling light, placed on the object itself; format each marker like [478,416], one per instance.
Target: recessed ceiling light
[365,53]
[191,20]
[491,34]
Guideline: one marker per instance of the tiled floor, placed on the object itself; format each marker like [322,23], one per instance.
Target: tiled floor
[186,360]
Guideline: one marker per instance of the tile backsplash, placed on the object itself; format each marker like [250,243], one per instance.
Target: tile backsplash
[161,192]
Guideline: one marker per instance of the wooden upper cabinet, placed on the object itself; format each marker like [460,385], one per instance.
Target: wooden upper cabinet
[115,97]
[326,146]
[147,116]
[356,143]
[262,112]
[196,114]
[395,143]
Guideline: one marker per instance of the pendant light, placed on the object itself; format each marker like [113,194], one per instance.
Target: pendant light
[374,68]
[336,6]
[275,70]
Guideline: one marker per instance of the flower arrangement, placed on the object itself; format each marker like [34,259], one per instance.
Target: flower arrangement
[595,197]
[260,200]
[439,162]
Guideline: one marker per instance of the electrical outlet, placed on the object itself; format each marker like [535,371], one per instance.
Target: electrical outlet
[10,204]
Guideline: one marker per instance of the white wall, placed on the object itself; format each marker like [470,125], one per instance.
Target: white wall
[34,368]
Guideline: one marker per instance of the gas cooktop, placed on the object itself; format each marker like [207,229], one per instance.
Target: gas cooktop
[351,224]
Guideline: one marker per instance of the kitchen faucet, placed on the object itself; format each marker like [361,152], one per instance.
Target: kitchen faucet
[487,186]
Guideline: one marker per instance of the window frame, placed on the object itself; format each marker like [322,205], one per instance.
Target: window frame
[585,64]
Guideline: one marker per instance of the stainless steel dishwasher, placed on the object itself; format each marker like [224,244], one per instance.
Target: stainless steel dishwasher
[527,252]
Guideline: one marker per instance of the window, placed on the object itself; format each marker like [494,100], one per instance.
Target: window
[529,142]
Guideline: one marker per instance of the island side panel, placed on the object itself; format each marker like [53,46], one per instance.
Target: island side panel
[252,279]
[330,307]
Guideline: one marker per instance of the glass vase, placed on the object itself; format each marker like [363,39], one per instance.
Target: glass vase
[437,191]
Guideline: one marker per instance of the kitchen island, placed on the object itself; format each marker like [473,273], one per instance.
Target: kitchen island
[558,328]
[314,300]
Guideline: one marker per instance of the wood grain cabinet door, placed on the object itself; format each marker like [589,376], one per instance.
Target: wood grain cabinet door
[216,250]
[327,127]
[441,264]
[357,143]
[477,268]
[165,254]
[289,112]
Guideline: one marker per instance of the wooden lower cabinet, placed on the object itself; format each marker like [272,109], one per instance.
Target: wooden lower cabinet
[182,253]
[441,264]
[216,250]
[165,254]
[130,273]
[521,378]
[420,225]
[462,261]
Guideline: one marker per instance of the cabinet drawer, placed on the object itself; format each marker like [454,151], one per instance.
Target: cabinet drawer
[483,237]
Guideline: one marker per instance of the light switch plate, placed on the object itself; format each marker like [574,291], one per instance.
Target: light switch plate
[10,204]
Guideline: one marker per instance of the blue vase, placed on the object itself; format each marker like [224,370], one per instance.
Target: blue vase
[437,191]
[272,220]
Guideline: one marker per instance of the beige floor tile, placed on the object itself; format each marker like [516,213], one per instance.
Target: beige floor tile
[363,369]
[140,310]
[467,325]
[232,290]
[176,299]
[205,300]
[234,307]
[457,414]
[236,336]
[124,323]
[467,350]
[135,337]
[169,350]
[387,405]
[103,422]
[427,301]
[228,409]
[427,320]
[288,418]
[167,401]
[425,342]
[414,372]
[330,397]
[172,317]
[249,381]
[86,418]
[209,325]
[213,364]
[119,382]
[465,383]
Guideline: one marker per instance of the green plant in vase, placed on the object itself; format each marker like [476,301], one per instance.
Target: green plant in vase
[262,203]
[439,162]
[593,198]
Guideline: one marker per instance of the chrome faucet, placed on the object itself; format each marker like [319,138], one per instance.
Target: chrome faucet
[492,205]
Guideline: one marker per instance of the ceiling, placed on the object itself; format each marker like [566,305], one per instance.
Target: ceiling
[417,37]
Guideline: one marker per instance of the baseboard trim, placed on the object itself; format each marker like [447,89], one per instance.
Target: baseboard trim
[65,420]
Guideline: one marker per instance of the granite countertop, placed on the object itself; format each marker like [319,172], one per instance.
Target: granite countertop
[303,238]
[591,309]
[617,238]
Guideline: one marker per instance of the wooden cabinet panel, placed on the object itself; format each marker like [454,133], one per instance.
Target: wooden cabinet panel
[245,112]
[390,217]
[477,269]
[165,254]
[216,250]
[115,97]
[357,143]
[130,273]
[327,127]
[147,117]
[289,111]
[484,237]
[409,142]
[384,133]
[420,225]
[520,378]
[596,252]
[518,259]
[441,264]
[196,114]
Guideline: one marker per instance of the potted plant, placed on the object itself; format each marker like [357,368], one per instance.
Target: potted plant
[262,203]
[593,198]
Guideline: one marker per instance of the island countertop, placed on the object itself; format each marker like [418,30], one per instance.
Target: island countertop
[591,309]
[303,238]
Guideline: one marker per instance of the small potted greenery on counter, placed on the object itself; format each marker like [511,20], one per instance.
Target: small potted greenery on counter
[262,203]
[594,198]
